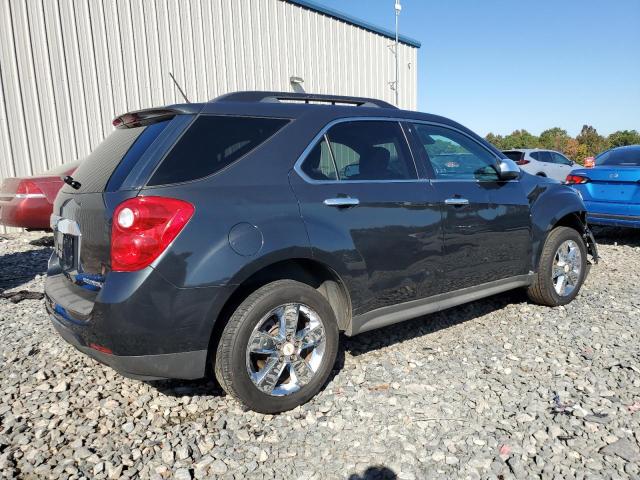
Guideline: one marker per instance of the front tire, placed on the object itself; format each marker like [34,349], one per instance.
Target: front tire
[561,270]
[278,348]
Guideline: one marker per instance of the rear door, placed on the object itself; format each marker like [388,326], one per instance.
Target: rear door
[368,215]
[485,221]
[545,163]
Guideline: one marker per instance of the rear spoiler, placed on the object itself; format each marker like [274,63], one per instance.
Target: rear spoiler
[145,117]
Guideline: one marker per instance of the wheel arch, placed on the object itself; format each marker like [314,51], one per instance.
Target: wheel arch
[575,219]
[305,270]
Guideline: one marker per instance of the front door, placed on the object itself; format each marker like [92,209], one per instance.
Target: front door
[368,215]
[486,223]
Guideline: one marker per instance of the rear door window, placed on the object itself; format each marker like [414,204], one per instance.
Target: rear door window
[560,159]
[212,143]
[542,156]
[371,150]
[319,164]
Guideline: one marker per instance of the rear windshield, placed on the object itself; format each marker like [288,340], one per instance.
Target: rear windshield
[212,143]
[622,157]
[515,156]
[95,170]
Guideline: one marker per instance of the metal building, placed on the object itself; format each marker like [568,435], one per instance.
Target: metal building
[68,67]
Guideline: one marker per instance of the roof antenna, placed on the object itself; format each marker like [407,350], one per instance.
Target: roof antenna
[178,87]
[296,84]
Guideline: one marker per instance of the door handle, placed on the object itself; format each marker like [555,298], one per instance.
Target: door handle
[342,202]
[456,202]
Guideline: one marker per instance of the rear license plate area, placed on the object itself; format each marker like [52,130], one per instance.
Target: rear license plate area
[65,250]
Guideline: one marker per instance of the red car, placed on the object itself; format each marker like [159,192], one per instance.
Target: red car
[27,202]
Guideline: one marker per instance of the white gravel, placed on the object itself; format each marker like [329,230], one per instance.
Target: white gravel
[498,388]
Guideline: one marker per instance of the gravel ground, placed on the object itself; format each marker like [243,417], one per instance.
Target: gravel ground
[498,388]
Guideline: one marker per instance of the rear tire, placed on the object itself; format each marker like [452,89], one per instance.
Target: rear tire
[561,270]
[278,348]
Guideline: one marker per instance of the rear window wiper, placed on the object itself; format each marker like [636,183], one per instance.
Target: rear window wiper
[71,182]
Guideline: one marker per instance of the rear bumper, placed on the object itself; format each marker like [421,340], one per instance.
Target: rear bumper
[613,220]
[137,322]
[184,365]
[32,213]
[613,214]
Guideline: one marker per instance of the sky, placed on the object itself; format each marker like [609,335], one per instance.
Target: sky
[500,65]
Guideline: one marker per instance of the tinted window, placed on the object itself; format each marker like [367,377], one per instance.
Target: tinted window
[453,155]
[515,156]
[626,156]
[95,170]
[560,159]
[541,156]
[212,143]
[371,150]
[319,164]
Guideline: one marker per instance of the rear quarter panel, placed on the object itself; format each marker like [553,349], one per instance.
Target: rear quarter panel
[252,196]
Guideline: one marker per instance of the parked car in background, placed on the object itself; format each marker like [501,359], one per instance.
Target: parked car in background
[611,189]
[27,202]
[240,236]
[545,163]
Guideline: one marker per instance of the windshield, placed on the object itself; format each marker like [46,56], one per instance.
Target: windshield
[621,157]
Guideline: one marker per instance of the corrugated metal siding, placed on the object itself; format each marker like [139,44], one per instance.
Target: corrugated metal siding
[67,67]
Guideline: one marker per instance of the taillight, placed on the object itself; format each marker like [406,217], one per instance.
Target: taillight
[589,162]
[522,161]
[142,229]
[573,179]
[28,189]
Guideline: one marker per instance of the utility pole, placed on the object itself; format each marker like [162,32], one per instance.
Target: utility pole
[398,8]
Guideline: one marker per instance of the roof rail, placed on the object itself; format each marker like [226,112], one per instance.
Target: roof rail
[291,97]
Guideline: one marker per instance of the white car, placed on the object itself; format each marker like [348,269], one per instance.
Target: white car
[546,163]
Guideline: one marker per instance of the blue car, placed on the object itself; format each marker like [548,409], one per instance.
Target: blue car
[611,190]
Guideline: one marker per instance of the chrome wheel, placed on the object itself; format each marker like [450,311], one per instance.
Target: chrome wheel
[567,266]
[285,349]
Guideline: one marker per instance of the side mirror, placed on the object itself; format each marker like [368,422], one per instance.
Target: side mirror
[508,170]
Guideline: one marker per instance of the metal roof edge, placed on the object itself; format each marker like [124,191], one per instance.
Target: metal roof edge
[354,21]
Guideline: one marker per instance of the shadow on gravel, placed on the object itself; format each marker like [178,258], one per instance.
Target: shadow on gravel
[21,267]
[619,235]
[378,472]
[205,387]
[427,324]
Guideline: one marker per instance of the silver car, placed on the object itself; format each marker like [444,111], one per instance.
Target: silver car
[546,163]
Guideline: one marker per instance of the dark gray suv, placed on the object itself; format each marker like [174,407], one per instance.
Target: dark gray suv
[242,235]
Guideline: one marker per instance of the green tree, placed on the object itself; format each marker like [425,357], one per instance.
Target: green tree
[575,151]
[623,137]
[520,139]
[592,140]
[554,139]
[496,140]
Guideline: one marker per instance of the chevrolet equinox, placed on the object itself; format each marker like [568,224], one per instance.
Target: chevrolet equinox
[240,236]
